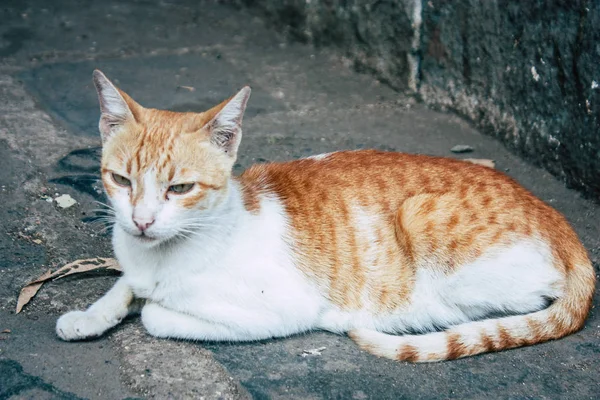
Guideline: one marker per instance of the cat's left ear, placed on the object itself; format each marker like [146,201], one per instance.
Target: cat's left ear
[225,127]
[116,106]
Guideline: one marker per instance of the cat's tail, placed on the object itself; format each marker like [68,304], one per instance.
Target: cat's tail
[564,316]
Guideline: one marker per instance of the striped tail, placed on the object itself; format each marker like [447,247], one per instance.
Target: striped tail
[564,316]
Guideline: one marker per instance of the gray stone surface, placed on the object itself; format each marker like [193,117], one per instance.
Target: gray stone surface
[525,72]
[305,101]
[19,385]
[32,359]
[163,369]
[378,36]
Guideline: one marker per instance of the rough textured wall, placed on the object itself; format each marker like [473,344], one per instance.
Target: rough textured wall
[379,36]
[527,72]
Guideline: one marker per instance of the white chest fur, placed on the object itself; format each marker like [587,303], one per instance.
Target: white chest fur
[243,277]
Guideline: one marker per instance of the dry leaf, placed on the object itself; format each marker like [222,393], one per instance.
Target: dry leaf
[89,264]
[481,161]
[30,290]
[75,267]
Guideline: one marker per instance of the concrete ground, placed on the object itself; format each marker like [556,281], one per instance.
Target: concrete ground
[190,55]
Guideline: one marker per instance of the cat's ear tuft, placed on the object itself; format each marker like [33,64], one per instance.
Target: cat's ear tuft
[226,127]
[116,106]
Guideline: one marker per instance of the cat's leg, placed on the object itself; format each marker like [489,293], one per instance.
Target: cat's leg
[163,322]
[105,313]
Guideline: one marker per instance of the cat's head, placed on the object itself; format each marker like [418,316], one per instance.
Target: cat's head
[165,172]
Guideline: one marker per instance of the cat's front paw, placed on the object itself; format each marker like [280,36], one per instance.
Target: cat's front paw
[78,325]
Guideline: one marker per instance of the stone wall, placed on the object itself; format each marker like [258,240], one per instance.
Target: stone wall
[378,35]
[526,72]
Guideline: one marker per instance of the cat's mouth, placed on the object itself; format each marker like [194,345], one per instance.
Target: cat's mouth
[145,238]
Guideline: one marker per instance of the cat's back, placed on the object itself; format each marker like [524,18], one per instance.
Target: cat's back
[371,177]
[338,200]
[361,218]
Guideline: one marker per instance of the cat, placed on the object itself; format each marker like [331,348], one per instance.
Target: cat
[416,258]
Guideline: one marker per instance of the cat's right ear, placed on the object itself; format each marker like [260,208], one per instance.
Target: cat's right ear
[116,106]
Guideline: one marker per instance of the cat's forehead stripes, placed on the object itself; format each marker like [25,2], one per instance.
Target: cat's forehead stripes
[174,150]
[155,145]
[151,143]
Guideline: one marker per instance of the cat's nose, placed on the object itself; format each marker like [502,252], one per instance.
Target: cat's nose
[142,223]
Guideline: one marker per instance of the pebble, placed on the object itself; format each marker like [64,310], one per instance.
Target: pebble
[65,201]
[461,148]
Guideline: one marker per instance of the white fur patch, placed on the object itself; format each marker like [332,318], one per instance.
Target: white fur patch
[319,157]
[517,279]
[237,274]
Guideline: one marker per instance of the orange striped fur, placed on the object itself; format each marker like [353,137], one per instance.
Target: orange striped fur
[429,207]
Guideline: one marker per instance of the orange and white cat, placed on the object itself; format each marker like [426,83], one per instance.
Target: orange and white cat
[417,258]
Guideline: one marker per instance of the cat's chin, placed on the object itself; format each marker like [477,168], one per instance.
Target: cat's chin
[145,240]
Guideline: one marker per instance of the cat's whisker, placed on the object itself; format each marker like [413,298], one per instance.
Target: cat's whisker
[183,235]
[98,210]
[106,222]
[101,221]
[197,231]
[102,228]
[88,178]
[103,216]
[195,234]
[200,226]
[202,221]
[103,204]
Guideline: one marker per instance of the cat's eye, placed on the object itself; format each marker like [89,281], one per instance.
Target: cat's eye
[121,180]
[181,188]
